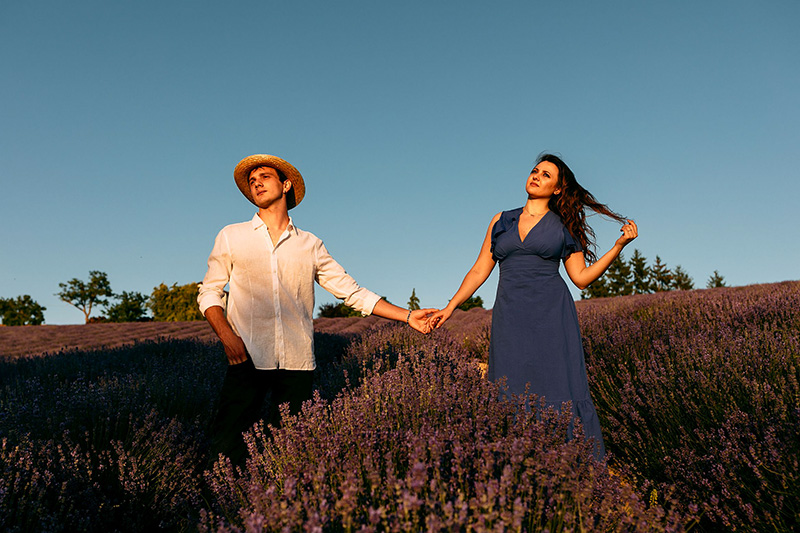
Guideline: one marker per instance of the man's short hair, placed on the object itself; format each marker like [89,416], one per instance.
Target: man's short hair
[281,175]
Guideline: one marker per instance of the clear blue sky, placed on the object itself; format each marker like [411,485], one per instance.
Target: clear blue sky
[412,122]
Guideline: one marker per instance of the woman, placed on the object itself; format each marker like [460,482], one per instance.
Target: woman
[536,340]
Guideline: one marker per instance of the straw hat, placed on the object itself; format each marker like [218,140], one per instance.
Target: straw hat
[241,175]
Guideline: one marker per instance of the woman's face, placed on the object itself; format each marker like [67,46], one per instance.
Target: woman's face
[543,181]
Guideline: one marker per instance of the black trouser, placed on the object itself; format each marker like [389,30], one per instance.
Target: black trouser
[241,401]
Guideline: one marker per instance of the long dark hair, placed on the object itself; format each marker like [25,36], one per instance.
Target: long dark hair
[571,203]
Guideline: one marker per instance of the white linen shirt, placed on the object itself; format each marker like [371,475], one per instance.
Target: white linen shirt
[270,304]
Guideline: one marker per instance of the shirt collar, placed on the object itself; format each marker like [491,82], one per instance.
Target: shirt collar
[256,223]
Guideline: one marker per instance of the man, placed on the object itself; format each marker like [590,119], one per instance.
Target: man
[270,266]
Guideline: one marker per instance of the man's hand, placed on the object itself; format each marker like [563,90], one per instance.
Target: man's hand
[419,320]
[234,349]
[233,343]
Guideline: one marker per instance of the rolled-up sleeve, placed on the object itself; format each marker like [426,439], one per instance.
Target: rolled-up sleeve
[332,277]
[212,290]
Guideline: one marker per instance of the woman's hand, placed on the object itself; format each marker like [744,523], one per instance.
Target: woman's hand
[629,232]
[420,320]
[439,317]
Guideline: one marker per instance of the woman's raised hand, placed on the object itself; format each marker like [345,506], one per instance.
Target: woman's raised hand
[629,232]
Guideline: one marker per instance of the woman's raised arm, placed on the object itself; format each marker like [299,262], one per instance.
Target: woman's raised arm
[581,275]
[475,277]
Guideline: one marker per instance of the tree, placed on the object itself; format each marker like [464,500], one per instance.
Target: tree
[681,280]
[131,307]
[618,277]
[337,311]
[715,281]
[413,302]
[660,276]
[597,289]
[472,301]
[175,303]
[21,311]
[85,295]
[640,273]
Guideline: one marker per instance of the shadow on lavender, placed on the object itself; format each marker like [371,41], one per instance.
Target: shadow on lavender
[697,393]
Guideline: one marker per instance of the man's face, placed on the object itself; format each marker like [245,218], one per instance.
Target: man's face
[266,186]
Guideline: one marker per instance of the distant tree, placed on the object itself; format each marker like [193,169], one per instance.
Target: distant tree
[471,302]
[660,276]
[177,303]
[85,295]
[413,302]
[715,281]
[597,289]
[618,277]
[21,311]
[131,307]
[337,310]
[681,280]
[640,273]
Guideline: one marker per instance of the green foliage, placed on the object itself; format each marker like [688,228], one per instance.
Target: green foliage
[637,277]
[660,276]
[640,273]
[131,307]
[337,311]
[85,295]
[21,311]
[681,281]
[175,303]
[597,289]
[618,277]
[472,301]
[716,281]
[413,301]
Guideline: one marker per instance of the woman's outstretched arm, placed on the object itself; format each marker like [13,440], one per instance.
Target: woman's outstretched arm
[581,275]
[475,277]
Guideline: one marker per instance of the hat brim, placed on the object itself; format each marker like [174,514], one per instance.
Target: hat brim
[241,175]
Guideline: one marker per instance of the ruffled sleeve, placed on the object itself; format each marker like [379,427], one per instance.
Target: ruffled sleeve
[506,220]
[571,245]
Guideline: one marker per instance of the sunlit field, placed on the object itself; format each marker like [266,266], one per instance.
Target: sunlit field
[697,393]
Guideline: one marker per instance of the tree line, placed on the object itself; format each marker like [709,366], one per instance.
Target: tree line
[165,304]
[637,277]
[341,310]
[179,302]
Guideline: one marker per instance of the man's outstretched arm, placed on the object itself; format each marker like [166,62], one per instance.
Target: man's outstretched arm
[416,319]
[333,278]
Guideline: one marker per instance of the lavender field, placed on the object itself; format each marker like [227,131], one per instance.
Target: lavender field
[697,393]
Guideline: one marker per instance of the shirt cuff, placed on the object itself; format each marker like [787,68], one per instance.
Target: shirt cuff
[368,303]
[209,299]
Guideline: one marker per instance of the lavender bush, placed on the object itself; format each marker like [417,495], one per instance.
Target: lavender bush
[697,393]
[700,390]
[65,484]
[105,440]
[424,443]
[113,439]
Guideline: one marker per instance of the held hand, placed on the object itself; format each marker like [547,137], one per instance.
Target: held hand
[235,350]
[629,232]
[438,318]
[419,320]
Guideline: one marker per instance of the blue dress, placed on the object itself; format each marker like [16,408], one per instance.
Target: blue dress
[536,339]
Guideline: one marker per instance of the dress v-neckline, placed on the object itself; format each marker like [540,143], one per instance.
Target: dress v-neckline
[519,235]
